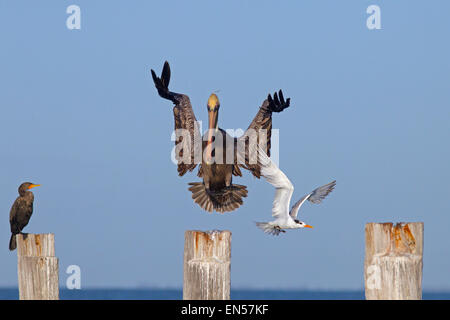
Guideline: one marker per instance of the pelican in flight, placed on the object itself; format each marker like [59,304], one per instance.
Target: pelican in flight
[216,191]
[285,218]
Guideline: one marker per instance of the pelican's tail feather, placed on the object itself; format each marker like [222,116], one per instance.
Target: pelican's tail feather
[269,228]
[229,199]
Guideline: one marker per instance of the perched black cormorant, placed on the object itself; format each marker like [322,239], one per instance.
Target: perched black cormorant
[21,211]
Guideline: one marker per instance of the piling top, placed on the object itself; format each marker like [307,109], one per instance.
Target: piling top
[36,245]
[399,239]
[215,244]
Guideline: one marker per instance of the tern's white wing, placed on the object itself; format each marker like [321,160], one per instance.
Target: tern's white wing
[297,205]
[278,179]
[320,193]
[316,196]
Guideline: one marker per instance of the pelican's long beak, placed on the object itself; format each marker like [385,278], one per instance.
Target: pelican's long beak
[213,116]
[308,226]
[34,185]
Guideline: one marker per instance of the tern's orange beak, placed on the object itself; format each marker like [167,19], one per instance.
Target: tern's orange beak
[34,185]
[308,226]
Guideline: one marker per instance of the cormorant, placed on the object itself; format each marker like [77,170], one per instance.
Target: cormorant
[21,211]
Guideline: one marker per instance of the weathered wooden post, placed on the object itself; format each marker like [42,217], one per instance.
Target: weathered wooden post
[393,261]
[37,267]
[206,274]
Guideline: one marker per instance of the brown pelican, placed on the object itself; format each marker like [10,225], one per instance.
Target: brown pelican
[285,218]
[216,192]
[21,211]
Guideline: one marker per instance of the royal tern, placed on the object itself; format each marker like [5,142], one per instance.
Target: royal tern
[285,219]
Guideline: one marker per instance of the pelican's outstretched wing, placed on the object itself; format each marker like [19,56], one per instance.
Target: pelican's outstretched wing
[262,120]
[187,151]
[315,196]
[278,179]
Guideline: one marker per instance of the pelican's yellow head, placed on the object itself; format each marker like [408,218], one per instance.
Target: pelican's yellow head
[213,103]
[213,110]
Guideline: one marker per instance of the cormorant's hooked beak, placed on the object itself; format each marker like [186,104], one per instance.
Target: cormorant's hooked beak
[33,185]
[213,116]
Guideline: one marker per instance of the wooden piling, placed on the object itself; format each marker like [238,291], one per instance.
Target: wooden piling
[206,274]
[393,261]
[37,267]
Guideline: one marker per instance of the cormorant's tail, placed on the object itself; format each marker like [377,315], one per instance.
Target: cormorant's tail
[229,199]
[12,242]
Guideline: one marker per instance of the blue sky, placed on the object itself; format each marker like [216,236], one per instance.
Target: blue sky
[80,116]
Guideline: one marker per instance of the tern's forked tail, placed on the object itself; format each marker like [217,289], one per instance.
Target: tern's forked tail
[269,228]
